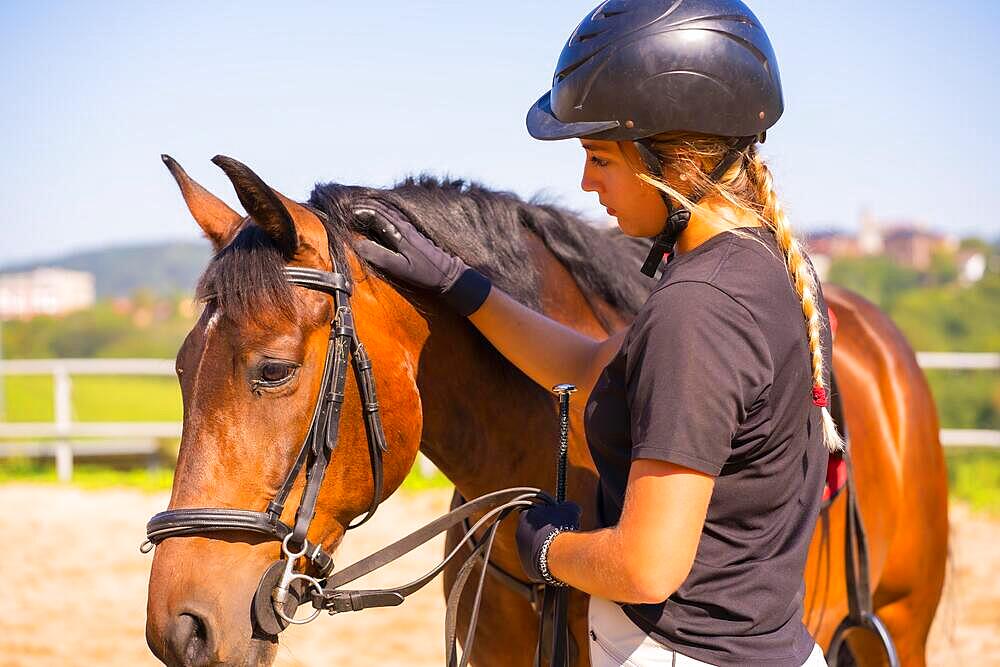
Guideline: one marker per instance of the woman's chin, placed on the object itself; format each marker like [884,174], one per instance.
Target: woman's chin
[630,229]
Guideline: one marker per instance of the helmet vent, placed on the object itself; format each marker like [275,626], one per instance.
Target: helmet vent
[572,68]
[610,8]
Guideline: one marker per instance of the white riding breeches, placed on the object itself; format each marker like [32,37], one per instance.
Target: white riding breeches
[616,641]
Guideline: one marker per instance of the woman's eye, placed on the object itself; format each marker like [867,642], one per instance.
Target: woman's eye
[598,161]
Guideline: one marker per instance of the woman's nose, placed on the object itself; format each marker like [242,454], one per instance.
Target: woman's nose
[590,184]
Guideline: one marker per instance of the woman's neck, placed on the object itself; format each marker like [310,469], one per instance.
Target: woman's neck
[711,219]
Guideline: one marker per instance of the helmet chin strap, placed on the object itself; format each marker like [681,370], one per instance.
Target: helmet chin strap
[678,216]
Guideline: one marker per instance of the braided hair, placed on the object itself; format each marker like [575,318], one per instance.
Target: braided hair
[747,185]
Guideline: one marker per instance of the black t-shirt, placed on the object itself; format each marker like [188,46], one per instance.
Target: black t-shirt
[714,374]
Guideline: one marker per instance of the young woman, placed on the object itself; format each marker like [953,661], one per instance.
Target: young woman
[706,418]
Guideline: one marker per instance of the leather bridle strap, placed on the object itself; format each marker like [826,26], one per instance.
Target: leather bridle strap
[377,443]
[205,521]
[343,338]
[322,437]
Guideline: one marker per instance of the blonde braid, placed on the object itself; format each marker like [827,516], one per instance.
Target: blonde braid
[804,282]
[747,185]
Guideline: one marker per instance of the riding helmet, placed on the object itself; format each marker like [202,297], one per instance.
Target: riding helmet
[636,68]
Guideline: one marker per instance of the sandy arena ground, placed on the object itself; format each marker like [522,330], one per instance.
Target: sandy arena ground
[74,586]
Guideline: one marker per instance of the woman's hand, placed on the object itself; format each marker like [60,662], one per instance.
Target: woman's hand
[543,349]
[536,528]
[407,255]
[649,553]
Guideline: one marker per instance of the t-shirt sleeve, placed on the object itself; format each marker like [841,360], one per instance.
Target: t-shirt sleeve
[697,362]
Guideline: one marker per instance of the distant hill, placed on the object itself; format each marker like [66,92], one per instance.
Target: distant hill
[165,267]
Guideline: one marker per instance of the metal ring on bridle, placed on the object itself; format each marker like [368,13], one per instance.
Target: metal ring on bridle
[316,586]
[278,601]
[292,555]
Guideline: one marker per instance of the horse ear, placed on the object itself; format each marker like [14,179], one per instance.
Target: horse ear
[262,204]
[313,242]
[215,218]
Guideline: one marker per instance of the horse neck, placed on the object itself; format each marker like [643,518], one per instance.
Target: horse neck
[486,424]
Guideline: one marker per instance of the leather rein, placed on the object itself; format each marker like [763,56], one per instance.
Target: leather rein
[281,588]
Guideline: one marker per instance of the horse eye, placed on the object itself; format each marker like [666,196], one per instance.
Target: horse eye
[275,372]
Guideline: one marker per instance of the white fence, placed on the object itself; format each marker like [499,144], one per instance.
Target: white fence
[138,438]
[983,361]
[126,438]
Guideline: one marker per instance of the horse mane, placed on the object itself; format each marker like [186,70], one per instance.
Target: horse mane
[486,228]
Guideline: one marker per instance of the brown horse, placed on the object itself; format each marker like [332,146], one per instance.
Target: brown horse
[250,371]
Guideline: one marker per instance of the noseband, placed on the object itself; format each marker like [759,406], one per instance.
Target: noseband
[316,450]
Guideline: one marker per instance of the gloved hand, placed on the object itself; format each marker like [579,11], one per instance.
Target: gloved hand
[535,530]
[407,255]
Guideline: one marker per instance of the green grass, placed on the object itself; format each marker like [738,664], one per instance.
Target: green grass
[28,398]
[88,476]
[974,477]
[126,398]
[95,398]
[417,482]
[96,476]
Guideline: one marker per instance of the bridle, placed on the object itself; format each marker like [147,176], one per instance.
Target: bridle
[317,448]
[281,589]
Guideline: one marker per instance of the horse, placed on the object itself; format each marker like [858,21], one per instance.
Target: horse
[251,368]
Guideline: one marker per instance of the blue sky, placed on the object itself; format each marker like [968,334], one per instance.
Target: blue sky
[889,105]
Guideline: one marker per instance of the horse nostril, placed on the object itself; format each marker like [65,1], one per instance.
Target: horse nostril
[189,640]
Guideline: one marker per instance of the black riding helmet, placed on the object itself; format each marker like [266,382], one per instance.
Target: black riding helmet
[633,69]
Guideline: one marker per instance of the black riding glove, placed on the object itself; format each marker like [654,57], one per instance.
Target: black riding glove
[404,253]
[536,528]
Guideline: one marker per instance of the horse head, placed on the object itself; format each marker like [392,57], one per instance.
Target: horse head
[251,373]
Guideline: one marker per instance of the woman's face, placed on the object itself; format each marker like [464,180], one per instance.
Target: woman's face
[638,207]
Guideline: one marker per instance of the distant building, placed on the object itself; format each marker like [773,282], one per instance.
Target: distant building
[915,247]
[906,243]
[45,291]
[832,244]
[971,266]
[827,245]
[870,239]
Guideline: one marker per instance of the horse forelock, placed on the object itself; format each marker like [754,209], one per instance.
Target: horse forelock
[246,277]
